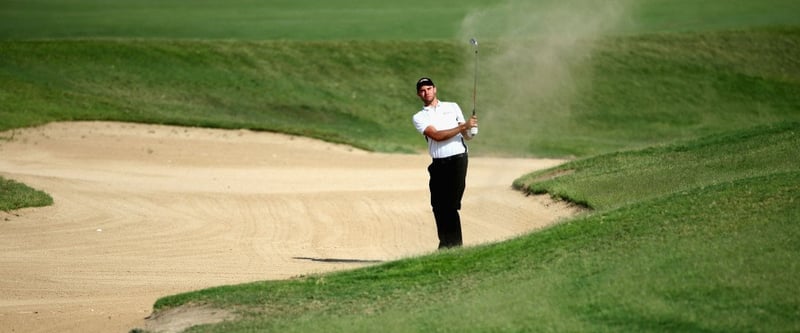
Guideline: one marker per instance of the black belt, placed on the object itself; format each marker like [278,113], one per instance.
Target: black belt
[450,158]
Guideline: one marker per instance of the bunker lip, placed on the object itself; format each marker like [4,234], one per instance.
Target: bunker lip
[145,211]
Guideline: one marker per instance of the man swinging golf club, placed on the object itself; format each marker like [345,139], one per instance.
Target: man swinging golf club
[445,128]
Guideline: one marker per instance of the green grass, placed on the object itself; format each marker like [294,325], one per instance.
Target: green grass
[15,195]
[614,180]
[327,90]
[632,91]
[356,20]
[687,15]
[637,91]
[716,254]
[238,19]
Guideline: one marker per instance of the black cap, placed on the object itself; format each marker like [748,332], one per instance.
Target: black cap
[424,82]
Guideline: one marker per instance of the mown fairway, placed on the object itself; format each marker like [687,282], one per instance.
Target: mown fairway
[349,19]
[686,114]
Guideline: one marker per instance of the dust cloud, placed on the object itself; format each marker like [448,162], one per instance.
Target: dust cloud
[531,61]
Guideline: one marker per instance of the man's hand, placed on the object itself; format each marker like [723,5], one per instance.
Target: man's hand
[472,122]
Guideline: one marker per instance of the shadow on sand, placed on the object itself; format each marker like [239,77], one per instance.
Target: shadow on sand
[339,260]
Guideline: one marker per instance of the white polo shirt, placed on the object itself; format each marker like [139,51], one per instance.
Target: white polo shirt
[445,115]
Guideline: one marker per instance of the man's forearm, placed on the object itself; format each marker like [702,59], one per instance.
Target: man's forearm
[442,135]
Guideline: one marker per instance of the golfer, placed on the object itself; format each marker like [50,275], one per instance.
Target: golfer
[445,128]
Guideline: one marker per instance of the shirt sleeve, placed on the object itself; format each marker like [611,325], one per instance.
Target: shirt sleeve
[421,122]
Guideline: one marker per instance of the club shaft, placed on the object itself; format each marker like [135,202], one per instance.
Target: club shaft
[475,83]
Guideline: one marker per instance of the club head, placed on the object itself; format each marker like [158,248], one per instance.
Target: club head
[474,42]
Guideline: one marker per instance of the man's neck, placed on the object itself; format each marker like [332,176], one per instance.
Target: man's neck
[433,103]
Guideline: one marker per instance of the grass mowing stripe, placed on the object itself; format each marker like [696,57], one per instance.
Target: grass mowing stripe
[235,19]
[347,19]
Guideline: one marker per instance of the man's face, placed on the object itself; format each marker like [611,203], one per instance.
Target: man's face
[427,94]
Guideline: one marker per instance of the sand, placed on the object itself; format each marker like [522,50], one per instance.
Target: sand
[145,211]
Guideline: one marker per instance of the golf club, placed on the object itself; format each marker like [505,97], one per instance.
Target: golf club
[474,42]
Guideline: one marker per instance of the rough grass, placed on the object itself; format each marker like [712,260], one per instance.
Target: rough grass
[15,195]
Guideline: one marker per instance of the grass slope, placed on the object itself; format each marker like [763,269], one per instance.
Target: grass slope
[715,254]
[327,90]
[632,92]
[614,180]
[641,90]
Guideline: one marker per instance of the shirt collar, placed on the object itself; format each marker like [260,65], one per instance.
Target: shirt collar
[433,106]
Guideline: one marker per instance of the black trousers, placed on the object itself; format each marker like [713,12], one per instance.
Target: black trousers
[447,182]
